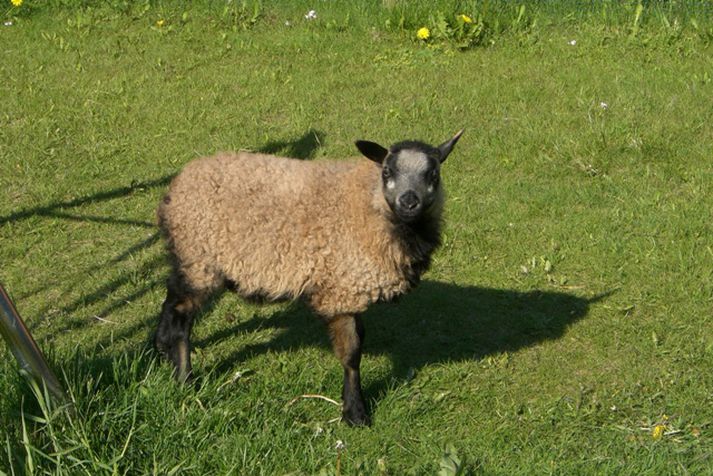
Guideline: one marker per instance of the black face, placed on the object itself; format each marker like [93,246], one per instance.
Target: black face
[411,179]
[410,174]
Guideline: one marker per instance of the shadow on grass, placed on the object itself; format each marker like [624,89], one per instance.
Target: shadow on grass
[303,148]
[58,210]
[437,322]
[55,210]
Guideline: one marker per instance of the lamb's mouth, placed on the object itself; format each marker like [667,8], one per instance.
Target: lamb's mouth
[408,216]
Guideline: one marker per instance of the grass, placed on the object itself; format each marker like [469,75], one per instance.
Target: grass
[567,315]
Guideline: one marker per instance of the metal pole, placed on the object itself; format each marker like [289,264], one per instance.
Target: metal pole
[24,347]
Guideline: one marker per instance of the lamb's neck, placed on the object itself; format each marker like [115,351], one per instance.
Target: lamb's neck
[421,238]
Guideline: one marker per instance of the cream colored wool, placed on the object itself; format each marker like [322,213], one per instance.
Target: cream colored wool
[286,228]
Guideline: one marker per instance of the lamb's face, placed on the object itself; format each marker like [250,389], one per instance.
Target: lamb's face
[411,180]
[410,175]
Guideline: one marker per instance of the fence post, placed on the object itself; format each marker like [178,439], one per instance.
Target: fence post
[24,347]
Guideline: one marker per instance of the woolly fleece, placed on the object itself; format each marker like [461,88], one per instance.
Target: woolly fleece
[286,228]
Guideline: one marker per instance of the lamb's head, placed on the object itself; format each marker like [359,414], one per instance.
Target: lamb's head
[410,174]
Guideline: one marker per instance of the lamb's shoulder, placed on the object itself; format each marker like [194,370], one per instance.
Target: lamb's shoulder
[378,261]
[377,270]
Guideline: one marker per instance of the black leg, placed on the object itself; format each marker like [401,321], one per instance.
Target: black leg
[347,333]
[174,329]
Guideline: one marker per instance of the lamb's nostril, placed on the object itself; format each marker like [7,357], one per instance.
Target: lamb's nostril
[409,201]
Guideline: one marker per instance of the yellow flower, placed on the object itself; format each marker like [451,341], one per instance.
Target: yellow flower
[17,3]
[465,18]
[423,33]
[160,23]
[657,432]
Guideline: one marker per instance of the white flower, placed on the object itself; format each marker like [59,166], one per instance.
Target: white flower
[604,105]
[311,15]
[287,23]
[340,445]
[8,23]
[573,42]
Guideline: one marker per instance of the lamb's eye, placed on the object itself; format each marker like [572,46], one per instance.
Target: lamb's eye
[386,173]
[434,177]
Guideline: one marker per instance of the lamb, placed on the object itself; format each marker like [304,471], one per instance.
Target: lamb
[340,234]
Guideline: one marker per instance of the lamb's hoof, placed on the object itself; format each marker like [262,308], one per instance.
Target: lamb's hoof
[184,378]
[356,416]
[178,356]
[160,346]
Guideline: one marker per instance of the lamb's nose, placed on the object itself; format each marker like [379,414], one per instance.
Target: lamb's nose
[409,201]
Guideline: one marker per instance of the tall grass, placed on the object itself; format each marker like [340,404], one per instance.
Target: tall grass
[497,18]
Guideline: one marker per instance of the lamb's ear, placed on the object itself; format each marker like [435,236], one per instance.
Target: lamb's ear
[447,146]
[372,150]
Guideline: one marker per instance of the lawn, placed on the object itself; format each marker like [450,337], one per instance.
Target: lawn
[566,325]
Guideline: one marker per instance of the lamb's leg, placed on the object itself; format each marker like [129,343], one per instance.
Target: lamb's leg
[347,333]
[174,329]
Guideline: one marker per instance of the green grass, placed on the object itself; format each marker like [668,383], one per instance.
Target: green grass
[567,314]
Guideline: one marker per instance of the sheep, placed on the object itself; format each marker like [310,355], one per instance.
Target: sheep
[340,234]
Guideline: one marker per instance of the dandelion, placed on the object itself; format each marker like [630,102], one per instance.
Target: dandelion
[16,3]
[311,15]
[657,432]
[340,445]
[465,18]
[160,23]
[572,42]
[423,33]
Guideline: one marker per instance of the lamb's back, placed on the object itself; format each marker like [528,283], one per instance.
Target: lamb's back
[263,222]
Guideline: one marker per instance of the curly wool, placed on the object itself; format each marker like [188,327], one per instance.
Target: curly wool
[285,228]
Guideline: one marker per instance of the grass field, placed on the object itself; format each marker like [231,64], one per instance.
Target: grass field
[566,326]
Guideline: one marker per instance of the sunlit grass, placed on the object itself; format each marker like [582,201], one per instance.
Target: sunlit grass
[565,326]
